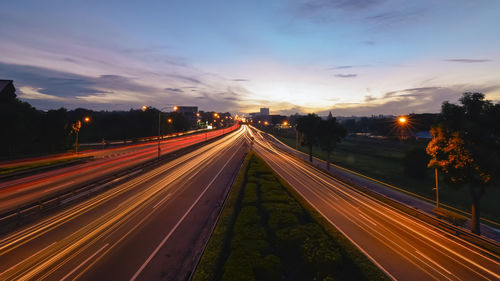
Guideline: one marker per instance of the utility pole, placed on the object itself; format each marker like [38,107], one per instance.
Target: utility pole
[296,138]
[159,133]
[437,188]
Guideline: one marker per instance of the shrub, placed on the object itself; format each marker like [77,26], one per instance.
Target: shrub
[269,268]
[279,220]
[250,197]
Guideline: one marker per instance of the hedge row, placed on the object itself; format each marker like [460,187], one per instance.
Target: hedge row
[273,235]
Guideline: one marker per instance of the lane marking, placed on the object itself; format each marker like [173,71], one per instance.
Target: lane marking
[84,262]
[180,221]
[162,200]
[433,262]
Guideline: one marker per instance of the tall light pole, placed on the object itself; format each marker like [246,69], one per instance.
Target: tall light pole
[76,128]
[144,108]
[437,188]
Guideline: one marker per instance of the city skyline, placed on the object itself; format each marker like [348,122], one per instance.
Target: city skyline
[363,57]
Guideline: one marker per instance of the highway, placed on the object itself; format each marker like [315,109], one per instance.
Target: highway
[152,227]
[19,192]
[402,246]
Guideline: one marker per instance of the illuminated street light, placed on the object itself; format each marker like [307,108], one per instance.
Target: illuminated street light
[169,120]
[266,123]
[285,123]
[144,107]
[197,114]
[76,128]
[402,120]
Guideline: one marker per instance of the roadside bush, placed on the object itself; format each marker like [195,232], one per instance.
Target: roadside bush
[269,268]
[279,220]
[250,197]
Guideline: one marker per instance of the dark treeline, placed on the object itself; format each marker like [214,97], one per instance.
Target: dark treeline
[28,131]
[385,126]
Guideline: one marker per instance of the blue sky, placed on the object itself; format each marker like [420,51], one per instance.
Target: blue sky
[351,57]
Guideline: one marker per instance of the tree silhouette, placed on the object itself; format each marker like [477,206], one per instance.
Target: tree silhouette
[466,146]
[330,133]
[308,127]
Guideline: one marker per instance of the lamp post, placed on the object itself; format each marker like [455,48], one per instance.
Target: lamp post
[437,188]
[402,122]
[144,108]
[76,128]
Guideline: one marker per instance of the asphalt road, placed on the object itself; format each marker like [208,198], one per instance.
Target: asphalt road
[19,192]
[404,247]
[152,227]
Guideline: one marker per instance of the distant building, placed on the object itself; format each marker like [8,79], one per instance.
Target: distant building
[7,90]
[264,111]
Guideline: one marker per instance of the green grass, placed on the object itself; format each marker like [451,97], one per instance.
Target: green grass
[382,159]
[14,169]
[266,231]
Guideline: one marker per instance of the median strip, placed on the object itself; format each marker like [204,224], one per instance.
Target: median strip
[267,232]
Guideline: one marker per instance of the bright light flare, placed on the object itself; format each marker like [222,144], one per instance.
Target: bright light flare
[86,119]
[402,120]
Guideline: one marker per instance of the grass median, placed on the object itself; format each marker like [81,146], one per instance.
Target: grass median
[266,231]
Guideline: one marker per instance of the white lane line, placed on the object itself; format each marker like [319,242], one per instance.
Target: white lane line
[180,221]
[84,262]
[163,200]
[12,267]
[433,262]
[366,218]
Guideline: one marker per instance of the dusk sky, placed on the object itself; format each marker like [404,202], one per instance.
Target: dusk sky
[358,57]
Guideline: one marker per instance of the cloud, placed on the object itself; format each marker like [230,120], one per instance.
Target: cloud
[348,66]
[175,90]
[240,80]
[412,100]
[319,5]
[351,75]
[468,60]
[46,89]
[30,93]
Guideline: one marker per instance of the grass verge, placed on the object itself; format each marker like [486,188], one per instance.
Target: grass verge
[20,168]
[383,160]
[267,231]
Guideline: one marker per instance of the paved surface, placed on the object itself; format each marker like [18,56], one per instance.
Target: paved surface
[400,195]
[19,192]
[152,227]
[404,247]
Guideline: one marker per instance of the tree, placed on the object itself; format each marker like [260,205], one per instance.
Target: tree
[307,126]
[330,133]
[466,147]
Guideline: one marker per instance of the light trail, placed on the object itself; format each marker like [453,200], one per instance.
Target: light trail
[394,240]
[142,203]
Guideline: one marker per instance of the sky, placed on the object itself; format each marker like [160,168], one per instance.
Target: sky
[350,57]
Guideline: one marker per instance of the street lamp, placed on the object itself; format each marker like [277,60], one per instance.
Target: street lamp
[402,122]
[159,124]
[76,128]
[437,188]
